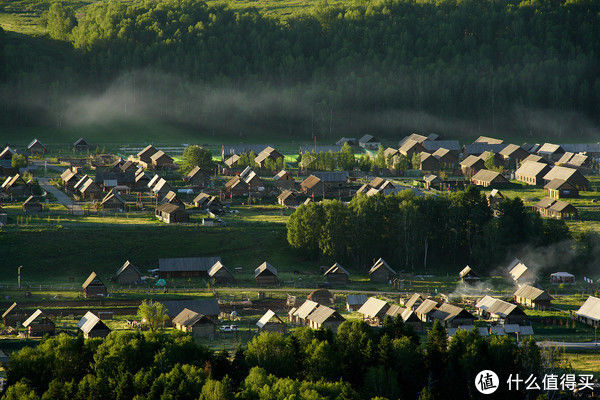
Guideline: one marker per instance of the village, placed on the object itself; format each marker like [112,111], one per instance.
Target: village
[224,299]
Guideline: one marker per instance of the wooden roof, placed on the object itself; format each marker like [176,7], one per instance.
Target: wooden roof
[267,317]
[187,264]
[532,293]
[323,313]
[125,266]
[189,318]
[373,307]
[336,269]
[265,269]
[89,322]
[590,309]
[93,278]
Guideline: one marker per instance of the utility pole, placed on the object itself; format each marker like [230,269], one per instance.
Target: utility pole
[19,276]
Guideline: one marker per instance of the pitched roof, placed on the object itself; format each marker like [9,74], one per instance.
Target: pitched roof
[516,269]
[266,318]
[470,161]
[426,307]
[367,138]
[111,196]
[489,140]
[394,310]
[336,269]
[332,176]
[447,312]
[410,145]
[189,318]
[487,175]
[590,309]
[202,264]
[10,309]
[80,142]
[550,148]
[545,202]
[147,151]
[160,185]
[127,265]
[578,160]
[381,264]
[30,201]
[285,195]
[467,271]
[558,184]
[195,171]
[93,277]
[38,313]
[498,307]
[356,299]
[168,208]
[206,306]
[531,168]
[305,309]
[413,299]
[558,172]
[160,154]
[34,142]
[280,174]
[263,268]
[90,321]
[560,206]
[372,307]
[323,314]
[532,293]
[510,149]
[310,182]
[7,153]
[435,145]
[478,148]
[216,268]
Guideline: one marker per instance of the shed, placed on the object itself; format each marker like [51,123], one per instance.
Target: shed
[326,318]
[470,165]
[467,275]
[197,324]
[562,277]
[197,177]
[81,145]
[519,272]
[128,274]
[533,297]
[321,296]
[36,147]
[452,316]
[270,322]
[589,312]
[560,188]
[487,178]
[92,326]
[38,324]
[300,315]
[220,274]
[381,272]
[145,155]
[205,306]
[32,206]
[13,316]
[425,309]
[355,301]
[374,311]
[337,275]
[171,213]
[186,266]
[94,287]
[532,172]
[113,201]
[415,301]
[266,275]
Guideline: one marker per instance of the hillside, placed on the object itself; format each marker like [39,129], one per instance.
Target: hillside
[324,69]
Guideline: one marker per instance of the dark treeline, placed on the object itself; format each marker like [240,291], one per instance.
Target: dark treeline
[448,231]
[355,363]
[474,58]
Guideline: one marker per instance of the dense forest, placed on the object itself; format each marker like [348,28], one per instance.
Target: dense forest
[383,65]
[357,362]
[422,234]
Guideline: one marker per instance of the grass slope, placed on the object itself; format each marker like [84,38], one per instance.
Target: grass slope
[53,255]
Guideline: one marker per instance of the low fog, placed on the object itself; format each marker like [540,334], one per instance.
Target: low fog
[302,110]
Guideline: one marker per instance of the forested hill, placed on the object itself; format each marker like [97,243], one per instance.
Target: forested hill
[480,59]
